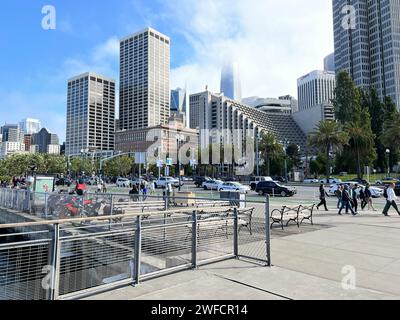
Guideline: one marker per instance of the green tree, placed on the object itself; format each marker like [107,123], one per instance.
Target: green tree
[328,137]
[293,154]
[80,166]
[119,166]
[347,99]
[270,149]
[391,134]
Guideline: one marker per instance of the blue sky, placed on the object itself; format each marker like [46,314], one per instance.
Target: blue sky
[273,49]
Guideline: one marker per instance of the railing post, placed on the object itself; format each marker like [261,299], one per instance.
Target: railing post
[46,209]
[194,239]
[55,270]
[138,248]
[268,231]
[235,233]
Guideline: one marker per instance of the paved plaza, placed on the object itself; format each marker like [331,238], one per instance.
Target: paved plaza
[313,262]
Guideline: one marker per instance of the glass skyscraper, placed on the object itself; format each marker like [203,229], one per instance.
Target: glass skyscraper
[367,43]
[230,81]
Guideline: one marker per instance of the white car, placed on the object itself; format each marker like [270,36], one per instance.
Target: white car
[310,180]
[331,181]
[233,186]
[123,183]
[376,192]
[163,181]
[212,184]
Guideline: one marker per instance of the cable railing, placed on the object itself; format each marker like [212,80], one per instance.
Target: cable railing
[134,240]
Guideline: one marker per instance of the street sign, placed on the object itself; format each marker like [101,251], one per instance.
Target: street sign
[166,171]
[160,163]
[169,162]
[193,162]
[140,158]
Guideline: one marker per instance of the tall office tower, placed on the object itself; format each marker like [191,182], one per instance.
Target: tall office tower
[180,104]
[316,88]
[367,43]
[197,104]
[30,126]
[230,81]
[90,114]
[144,80]
[12,133]
[46,142]
[329,63]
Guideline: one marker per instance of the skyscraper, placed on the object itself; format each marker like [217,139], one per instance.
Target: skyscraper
[30,126]
[90,114]
[329,63]
[316,88]
[144,80]
[367,43]
[230,81]
[180,104]
[46,142]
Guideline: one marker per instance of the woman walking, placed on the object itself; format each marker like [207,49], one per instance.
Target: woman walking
[322,197]
[368,198]
[346,202]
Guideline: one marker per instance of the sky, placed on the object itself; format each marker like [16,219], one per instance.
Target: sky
[273,42]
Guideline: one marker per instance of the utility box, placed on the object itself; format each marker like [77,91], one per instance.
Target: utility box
[236,198]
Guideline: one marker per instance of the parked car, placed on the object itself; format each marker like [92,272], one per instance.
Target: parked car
[233,186]
[211,184]
[123,183]
[331,181]
[274,188]
[163,181]
[386,181]
[360,181]
[199,180]
[280,179]
[310,180]
[376,192]
[255,180]
[397,189]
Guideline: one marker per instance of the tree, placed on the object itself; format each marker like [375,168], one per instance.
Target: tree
[119,166]
[391,134]
[328,137]
[292,152]
[347,99]
[80,166]
[270,149]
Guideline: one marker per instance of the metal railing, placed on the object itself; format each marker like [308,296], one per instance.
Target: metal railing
[74,256]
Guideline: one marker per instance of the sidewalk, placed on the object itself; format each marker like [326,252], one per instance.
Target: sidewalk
[307,265]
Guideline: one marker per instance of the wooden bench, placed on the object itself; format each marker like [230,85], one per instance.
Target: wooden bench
[296,214]
[134,207]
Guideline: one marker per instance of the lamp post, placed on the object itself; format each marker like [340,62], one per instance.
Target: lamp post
[258,138]
[388,160]
[180,138]
[285,145]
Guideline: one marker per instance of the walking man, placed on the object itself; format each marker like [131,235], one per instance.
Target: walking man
[322,197]
[368,197]
[346,201]
[391,200]
[338,194]
[354,197]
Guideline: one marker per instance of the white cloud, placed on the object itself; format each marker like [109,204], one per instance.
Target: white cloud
[274,42]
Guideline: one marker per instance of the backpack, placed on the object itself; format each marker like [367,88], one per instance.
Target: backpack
[385,194]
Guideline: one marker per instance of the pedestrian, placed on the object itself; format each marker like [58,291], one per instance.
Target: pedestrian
[391,200]
[104,187]
[363,198]
[368,198]
[346,201]
[338,194]
[134,193]
[354,197]
[152,188]
[322,197]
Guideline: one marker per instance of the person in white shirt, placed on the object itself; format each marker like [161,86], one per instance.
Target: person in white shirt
[391,200]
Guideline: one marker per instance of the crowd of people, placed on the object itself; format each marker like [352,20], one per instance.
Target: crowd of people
[356,197]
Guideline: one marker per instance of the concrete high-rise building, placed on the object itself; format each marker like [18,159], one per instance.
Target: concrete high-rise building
[197,105]
[144,80]
[329,63]
[30,126]
[90,114]
[230,81]
[46,142]
[367,43]
[316,88]
[12,140]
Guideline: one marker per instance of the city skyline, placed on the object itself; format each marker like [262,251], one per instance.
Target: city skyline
[78,46]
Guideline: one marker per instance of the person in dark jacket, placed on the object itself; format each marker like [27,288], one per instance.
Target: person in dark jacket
[346,202]
[322,197]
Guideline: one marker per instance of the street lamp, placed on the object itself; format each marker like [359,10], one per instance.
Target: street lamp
[180,138]
[388,160]
[285,145]
[258,138]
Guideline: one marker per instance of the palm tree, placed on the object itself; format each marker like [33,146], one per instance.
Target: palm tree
[328,136]
[269,148]
[361,141]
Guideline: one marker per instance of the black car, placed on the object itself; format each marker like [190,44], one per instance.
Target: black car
[280,179]
[198,181]
[397,189]
[273,188]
